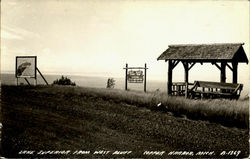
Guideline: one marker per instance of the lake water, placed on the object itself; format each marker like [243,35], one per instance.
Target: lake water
[88,81]
[99,82]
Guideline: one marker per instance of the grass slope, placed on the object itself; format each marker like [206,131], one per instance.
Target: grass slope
[66,118]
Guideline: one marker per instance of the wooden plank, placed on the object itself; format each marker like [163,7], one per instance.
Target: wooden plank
[207,92]
[135,68]
[178,83]
[217,85]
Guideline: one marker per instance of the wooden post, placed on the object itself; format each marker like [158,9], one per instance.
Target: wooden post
[126,79]
[145,77]
[185,64]
[27,81]
[170,72]
[42,76]
[235,71]
[186,72]
[223,72]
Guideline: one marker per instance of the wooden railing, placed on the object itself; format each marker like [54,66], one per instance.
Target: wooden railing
[179,88]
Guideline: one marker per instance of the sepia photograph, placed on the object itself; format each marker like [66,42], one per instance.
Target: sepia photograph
[124,79]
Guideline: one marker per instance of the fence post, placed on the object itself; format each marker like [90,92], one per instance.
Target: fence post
[186,90]
[145,78]
[126,80]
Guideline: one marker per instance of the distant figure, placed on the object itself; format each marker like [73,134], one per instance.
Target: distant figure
[22,67]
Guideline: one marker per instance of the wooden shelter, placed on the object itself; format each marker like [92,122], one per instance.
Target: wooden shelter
[220,55]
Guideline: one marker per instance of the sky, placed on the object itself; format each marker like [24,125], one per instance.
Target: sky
[98,37]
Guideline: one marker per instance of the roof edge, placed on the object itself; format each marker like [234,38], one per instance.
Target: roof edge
[173,45]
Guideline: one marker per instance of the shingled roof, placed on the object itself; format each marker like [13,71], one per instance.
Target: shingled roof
[205,52]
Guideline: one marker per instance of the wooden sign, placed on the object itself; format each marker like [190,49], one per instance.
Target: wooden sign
[135,76]
[26,66]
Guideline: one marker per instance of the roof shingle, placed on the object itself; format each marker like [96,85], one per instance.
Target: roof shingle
[205,52]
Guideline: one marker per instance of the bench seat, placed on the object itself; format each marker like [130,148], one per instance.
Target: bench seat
[215,90]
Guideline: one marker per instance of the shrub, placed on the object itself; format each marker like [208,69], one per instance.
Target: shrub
[64,81]
[110,83]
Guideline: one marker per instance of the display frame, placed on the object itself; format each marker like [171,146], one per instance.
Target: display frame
[26,76]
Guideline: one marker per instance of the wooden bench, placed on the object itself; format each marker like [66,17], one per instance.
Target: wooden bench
[203,89]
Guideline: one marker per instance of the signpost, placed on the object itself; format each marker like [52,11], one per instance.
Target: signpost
[135,75]
[26,67]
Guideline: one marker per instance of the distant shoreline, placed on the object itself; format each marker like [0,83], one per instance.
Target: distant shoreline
[100,82]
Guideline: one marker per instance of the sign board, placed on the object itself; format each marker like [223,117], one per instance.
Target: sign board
[26,66]
[135,76]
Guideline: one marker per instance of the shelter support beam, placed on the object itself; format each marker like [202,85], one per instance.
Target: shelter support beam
[192,64]
[185,64]
[235,72]
[186,68]
[175,63]
[170,73]
[223,72]
[229,67]
[217,66]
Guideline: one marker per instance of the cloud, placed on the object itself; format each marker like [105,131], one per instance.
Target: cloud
[17,33]
[8,35]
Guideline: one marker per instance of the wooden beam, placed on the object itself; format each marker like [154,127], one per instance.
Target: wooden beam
[223,72]
[229,67]
[217,66]
[42,76]
[185,64]
[175,63]
[170,73]
[27,81]
[235,72]
[191,65]
[145,78]
[126,77]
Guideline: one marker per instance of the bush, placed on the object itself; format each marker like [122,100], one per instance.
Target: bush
[110,83]
[64,81]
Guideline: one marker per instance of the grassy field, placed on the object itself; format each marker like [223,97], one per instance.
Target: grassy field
[88,119]
[226,112]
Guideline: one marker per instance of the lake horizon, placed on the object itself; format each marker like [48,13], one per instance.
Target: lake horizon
[98,82]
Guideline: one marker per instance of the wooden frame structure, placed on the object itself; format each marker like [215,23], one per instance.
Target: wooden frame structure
[220,55]
[136,81]
[35,71]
